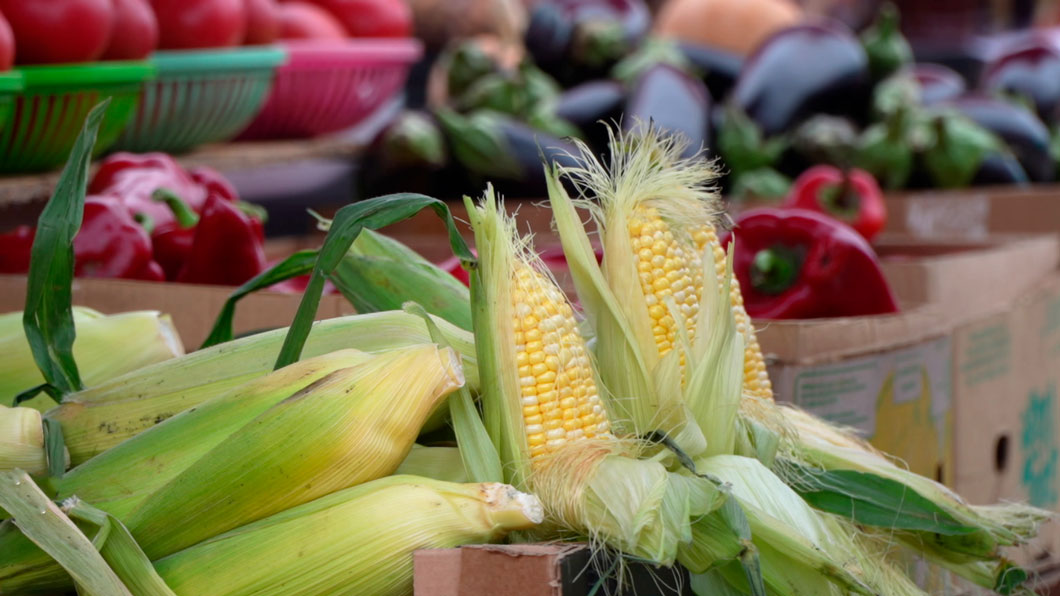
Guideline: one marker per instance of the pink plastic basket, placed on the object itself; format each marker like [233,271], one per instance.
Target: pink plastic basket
[328,86]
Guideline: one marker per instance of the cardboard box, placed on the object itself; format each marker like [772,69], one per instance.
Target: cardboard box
[536,570]
[974,213]
[192,307]
[1007,386]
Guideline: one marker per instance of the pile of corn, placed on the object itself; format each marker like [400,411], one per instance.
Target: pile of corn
[644,424]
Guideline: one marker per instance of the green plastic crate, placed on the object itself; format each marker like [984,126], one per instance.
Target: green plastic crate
[201,96]
[47,115]
[10,85]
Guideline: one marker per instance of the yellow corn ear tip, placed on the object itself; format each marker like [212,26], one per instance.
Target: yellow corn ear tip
[646,167]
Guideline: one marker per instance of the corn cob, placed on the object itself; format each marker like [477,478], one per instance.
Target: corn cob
[356,542]
[295,439]
[542,408]
[439,463]
[656,213]
[354,425]
[106,346]
[100,417]
[119,481]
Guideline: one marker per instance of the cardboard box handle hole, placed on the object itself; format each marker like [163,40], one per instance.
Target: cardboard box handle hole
[1001,453]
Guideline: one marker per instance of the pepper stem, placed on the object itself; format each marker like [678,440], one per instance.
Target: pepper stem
[841,200]
[184,214]
[775,269]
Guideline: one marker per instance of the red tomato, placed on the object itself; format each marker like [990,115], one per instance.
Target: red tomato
[7,45]
[135,31]
[200,23]
[52,31]
[301,20]
[263,21]
[371,18]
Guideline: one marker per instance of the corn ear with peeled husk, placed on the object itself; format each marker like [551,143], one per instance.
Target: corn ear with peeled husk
[100,417]
[353,425]
[22,441]
[380,273]
[355,542]
[543,409]
[666,339]
[439,463]
[106,346]
[119,481]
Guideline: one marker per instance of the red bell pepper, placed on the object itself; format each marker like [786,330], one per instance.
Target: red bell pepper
[15,247]
[213,182]
[799,264]
[135,178]
[227,248]
[172,241]
[853,197]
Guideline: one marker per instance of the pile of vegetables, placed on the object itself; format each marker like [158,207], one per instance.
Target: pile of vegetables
[267,464]
[772,100]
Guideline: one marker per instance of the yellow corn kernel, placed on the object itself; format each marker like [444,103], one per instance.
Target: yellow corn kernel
[559,382]
[755,378]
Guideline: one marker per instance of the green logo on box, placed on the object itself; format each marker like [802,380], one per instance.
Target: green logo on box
[1040,452]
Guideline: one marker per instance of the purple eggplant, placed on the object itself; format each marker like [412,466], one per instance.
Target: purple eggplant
[408,155]
[1030,70]
[1000,169]
[938,83]
[497,148]
[576,40]
[673,101]
[813,68]
[1019,128]
[592,107]
[719,68]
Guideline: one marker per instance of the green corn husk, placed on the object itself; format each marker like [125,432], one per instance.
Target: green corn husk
[439,463]
[22,441]
[380,273]
[100,417]
[107,346]
[354,425]
[305,437]
[356,542]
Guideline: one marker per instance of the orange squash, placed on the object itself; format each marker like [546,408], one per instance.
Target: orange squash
[736,26]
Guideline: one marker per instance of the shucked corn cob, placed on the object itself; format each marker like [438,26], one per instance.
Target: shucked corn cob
[356,542]
[286,440]
[106,414]
[106,346]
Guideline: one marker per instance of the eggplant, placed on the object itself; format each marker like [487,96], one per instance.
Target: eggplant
[408,155]
[1030,70]
[673,101]
[497,148]
[813,68]
[1019,128]
[718,68]
[577,40]
[938,83]
[592,107]
[1000,169]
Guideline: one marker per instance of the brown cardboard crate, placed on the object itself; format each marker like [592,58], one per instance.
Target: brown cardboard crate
[192,307]
[974,213]
[1006,382]
[534,570]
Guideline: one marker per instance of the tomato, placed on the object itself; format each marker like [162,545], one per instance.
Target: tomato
[301,20]
[263,21]
[371,18]
[7,45]
[135,31]
[51,31]
[200,23]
